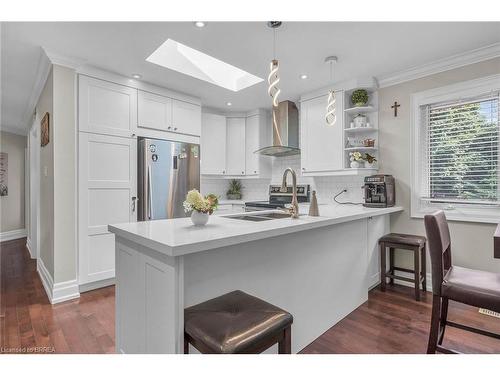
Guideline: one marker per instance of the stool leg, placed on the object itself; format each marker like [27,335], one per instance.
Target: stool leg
[443,319]
[417,274]
[434,329]
[391,264]
[186,345]
[423,266]
[382,267]
[285,345]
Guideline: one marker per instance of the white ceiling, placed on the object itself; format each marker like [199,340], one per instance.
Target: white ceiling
[363,49]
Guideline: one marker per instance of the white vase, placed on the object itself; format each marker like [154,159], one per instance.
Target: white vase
[355,164]
[199,218]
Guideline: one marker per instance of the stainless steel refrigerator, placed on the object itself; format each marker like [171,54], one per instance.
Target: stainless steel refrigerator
[167,171]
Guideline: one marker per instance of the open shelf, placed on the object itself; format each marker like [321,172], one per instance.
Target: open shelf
[365,109]
[364,148]
[361,129]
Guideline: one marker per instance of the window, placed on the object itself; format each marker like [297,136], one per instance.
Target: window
[456,151]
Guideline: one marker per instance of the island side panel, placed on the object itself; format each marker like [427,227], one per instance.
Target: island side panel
[319,275]
[149,300]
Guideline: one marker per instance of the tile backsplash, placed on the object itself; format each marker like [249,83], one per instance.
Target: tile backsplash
[257,189]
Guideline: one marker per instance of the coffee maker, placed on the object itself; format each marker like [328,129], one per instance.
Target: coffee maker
[380,191]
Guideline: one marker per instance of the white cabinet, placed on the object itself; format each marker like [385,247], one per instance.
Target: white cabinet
[213,144]
[322,146]
[107,188]
[160,112]
[186,117]
[377,227]
[106,108]
[252,143]
[154,111]
[235,146]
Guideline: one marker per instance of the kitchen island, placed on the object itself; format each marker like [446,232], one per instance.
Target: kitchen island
[318,268]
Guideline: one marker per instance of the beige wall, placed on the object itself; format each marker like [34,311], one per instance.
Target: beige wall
[12,205]
[45,104]
[472,243]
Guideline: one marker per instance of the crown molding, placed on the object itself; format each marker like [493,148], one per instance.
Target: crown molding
[441,65]
[68,62]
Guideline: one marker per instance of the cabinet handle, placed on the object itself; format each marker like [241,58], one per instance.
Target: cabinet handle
[133,135]
[175,128]
[242,172]
[169,128]
[303,169]
[223,172]
[255,172]
[134,199]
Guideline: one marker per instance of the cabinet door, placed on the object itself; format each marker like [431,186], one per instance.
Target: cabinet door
[154,111]
[186,117]
[106,108]
[377,227]
[252,129]
[322,146]
[235,156]
[213,145]
[107,183]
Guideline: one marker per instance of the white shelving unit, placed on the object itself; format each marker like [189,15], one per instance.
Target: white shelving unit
[354,136]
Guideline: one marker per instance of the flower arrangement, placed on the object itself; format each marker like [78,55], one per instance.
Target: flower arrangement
[197,202]
[359,98]
[355,156]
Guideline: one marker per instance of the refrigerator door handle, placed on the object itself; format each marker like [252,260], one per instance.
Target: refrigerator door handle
[175,162]
[150,195]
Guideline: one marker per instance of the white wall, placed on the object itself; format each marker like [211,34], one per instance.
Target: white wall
[12,206]
[472,244]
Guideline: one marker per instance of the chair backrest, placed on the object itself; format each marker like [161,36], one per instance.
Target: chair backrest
[439,242]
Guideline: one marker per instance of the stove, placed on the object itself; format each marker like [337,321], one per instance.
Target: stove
[277,199]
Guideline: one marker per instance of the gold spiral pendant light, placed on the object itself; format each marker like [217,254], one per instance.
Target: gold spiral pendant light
[273,80]
[331,108]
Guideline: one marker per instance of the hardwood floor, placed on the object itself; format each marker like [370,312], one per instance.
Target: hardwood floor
[390,322]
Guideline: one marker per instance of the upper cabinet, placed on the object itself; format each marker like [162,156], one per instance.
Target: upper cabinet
[159,112]
[235,148]
[322,145]
[228,145]
[213,144]
[106,108]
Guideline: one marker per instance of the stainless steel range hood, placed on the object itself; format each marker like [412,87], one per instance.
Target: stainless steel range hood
[286,133]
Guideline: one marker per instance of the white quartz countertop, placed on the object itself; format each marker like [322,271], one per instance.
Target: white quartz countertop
[176,237]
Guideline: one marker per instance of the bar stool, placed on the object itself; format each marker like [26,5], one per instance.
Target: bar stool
[236,323]
[471,287]
[408,242]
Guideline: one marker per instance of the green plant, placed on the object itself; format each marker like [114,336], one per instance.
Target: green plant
[359,97]
[234,187]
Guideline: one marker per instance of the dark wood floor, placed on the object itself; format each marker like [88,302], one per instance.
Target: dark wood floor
[391,322]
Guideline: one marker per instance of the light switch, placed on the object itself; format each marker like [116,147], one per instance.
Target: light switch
[45,170]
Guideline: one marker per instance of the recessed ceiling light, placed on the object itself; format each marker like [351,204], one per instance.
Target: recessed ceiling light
[199,24]
[186,60]
[136,76]
[229,104]
[303,76]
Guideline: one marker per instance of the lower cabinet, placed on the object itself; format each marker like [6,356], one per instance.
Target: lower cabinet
[377,226]
[107,186]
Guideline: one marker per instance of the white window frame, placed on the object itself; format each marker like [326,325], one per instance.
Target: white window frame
[455,92]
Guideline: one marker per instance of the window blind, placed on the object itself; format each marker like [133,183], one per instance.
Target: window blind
[461,151]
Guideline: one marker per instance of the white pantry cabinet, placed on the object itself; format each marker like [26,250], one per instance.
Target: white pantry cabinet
[107,190]
[235,146]
[159,112]
[213,144]
[106,108]
[322,146]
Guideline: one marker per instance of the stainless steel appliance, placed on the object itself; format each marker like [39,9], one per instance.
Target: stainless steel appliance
[167,170]
[286,134]
[278,199]
[380,191]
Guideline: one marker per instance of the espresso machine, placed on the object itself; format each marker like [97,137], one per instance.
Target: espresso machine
[380,191]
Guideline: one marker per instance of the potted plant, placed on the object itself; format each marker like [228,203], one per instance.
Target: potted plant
[356,159]
[201,207]
[359,98]
[234,191]
[370,159]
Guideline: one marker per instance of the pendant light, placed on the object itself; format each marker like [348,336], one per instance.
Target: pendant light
[331,110]
[273,79]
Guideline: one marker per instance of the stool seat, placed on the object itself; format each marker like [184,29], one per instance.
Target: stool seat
[235,322]
[473,287]
[403,239]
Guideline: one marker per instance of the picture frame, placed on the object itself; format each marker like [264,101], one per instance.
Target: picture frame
[45,130]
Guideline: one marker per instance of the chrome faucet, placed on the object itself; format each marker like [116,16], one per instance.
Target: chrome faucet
[294,209]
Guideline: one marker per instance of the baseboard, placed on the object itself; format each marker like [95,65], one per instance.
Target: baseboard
[97,285]
[57,292]
[13,235]
[28,246]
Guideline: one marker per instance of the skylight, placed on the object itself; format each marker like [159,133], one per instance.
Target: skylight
[186,60]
